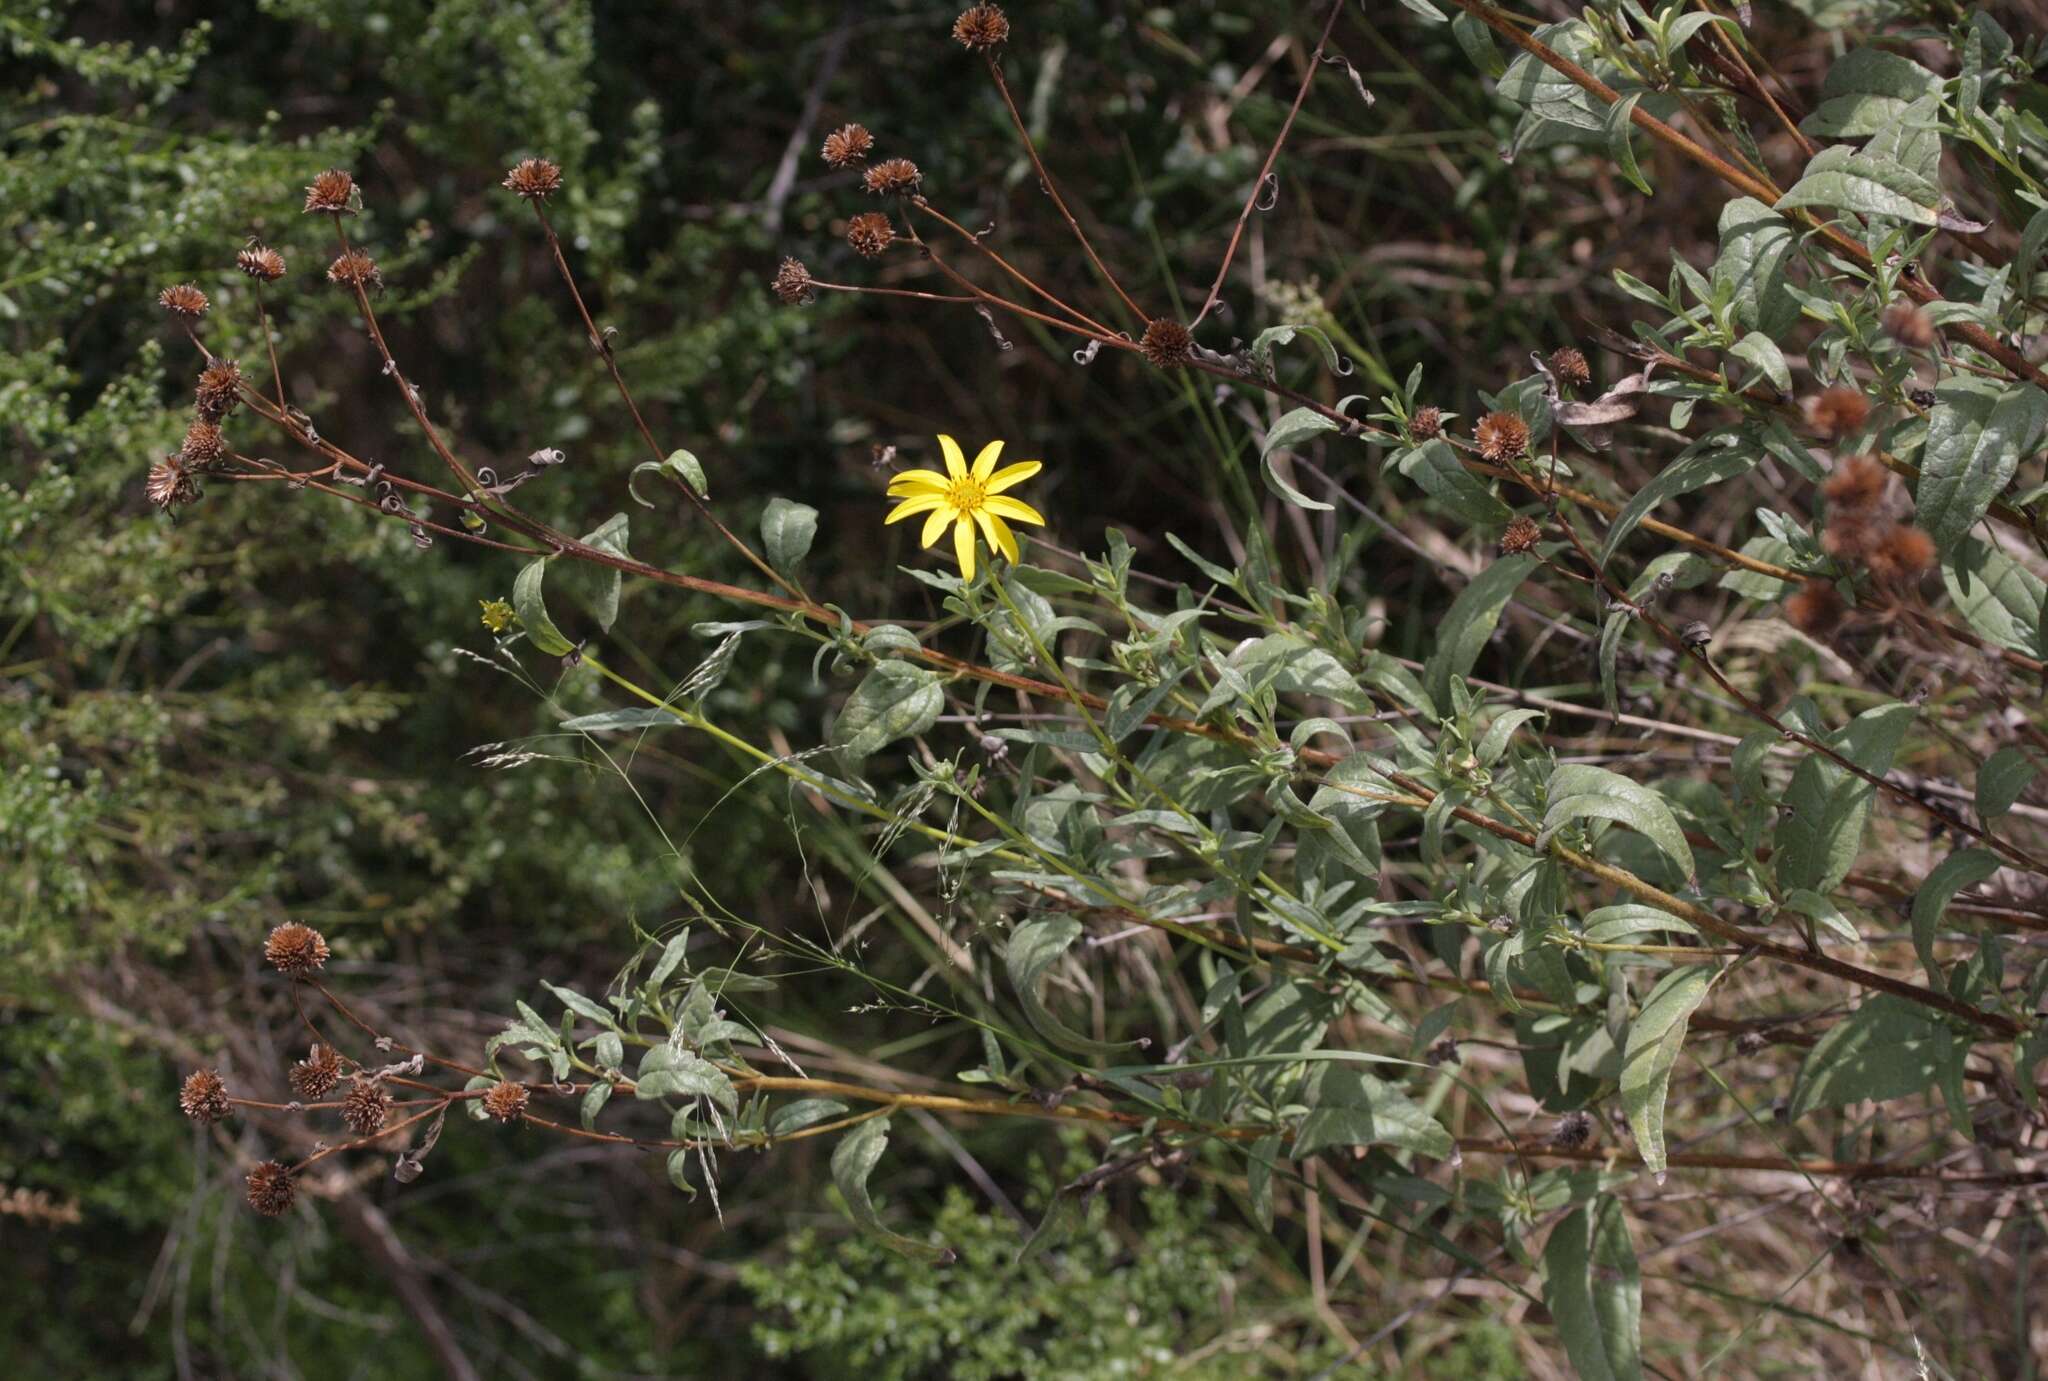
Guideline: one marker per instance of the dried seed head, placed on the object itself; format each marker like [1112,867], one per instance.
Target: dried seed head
[295,949]
[316,1075]
[271,1189]
[535,179]
[1901,555]
[364,1108]
[1856,482]
[870,233]
[355,268]
[1523,533]
[220,389]
[892,177]
[506,1102]
[1837,411]
[1908,325]
[1167,343]
[1817,609]
[1850,534]
[204,1098]
[261,262]
[1501,436]
[792,283]
[1427,424]
[203,443]
[1568,363]
[981,27]
[1573,1130]
[183,299]
[847,145]
[331,192]
[169,486]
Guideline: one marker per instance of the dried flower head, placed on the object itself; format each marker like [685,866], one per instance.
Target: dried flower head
[316,1075]
[364,1108]
[535,179]
[1817,609]
[1837,411]
[1905,323]
[1856,482]
[295,949]
[220,389]
[1568,364]
[169,486]
[506,1102]
[1901,554]
[1167,343]
[892,177]
[203,443]
[792,283]
[183,299]
[1427,424]
[261,262]
[981,27]
[847,145]
[271,1189]
[1523,533]
[1851,533]
[1573,1130]
[204,1098]
[1501,436]
[332,191]
[870,233]
[355,268]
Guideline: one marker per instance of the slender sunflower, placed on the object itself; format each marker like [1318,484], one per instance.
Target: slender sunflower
[967,498]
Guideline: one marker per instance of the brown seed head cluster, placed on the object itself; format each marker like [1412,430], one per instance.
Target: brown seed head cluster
[204,1098]
[1905,323]
[1501,436]
[1522,535]
[203,443]
[1856,482]
[261,262]
[183,299]
[792,283]
[1427,424]
[271,1189]
[1862,531]
[892,177]
[364,1108]
[295,949]
[870,233]
[356,269]
[1901,554]
[316,1075]
[1817,609]
[981,27]
[1837,411]
[535,179]
[1568,365]
[169,487]
[846,146]
[331,192]
[506,1102]
[1167,343]
[220,389]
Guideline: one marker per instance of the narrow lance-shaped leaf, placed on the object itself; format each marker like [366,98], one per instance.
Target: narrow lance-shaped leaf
[1654,1039]
[1827,805]
[1470,621]
[853,1160]
[1035,946]
[1964,868]
[1303,424]
[1579,791]
[540,630]
[1594,1290]
[1887,1048]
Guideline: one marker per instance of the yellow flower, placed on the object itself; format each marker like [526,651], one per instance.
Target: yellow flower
[498,614]
[967,498]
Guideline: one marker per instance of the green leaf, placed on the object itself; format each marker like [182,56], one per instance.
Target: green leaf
[594,1099]
[1866,90]
[1578,791]
[1654,1040]
[1964,868]
[786,531]
[1827,805]
[1868,184]
[1997,596]
[540,630]
[1263,343]
[1036,945]
[1594,1290]
[1887,1048]
[804,1112]
[1352,1108]
[1289,662]
[1976,438]
[2004,776]
[692,1076]
[895,700]
[1760,351]
[1756,245]
[579,1004]
[853,1160]
[1610,649]
[1469,622]
[1619,127]
[1689,472]
[609,537]
[1296,427]
[1436,468]
[1258,1178]
[680,464]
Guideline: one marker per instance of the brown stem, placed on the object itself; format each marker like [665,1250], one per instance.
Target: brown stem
[1007,267]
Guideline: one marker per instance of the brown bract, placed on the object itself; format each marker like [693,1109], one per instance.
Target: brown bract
[1908,325]
[204,1098]
[271,1189]
[506,1102]
[183,299]
[1856,482]
[295,949]
[1167,343]
[1501,436]
[1427,424]
[535,179]
[870,233]
[317,1074]
[846,146]
[981,27]
[1523,533]
[220,388]
[1901,555]
[364,1108]
[332,192]
[1837,411]
[169,486]
[1817,609]
[356,269]
[792,283]
[203,443]
[261,262]
[1568,364]
[892,177]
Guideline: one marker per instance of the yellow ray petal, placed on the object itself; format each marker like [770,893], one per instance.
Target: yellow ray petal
[1012,474]
[914,505]
[963,545]
[1000,538]
[936,524]
[918,479]
[1014,509]
[985,463]
[956,463]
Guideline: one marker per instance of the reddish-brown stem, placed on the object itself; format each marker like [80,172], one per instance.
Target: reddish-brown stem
[269,344]
[1007,267]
